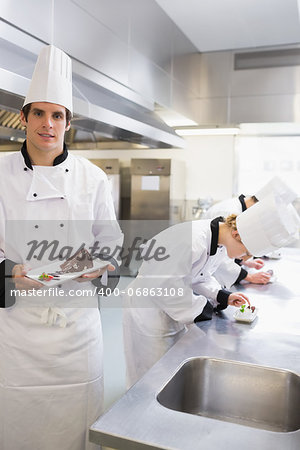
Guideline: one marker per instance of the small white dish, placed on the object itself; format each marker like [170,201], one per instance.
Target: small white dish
[246,317]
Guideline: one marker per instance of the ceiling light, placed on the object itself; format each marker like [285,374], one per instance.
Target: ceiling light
[207,131]
[174,119]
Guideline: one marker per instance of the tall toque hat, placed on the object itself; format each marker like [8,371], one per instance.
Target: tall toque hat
[268,225]
[52,79]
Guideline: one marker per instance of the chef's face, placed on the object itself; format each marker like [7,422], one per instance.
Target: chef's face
[46,126]
[235,247]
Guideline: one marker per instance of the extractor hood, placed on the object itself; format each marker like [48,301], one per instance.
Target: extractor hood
[100,115]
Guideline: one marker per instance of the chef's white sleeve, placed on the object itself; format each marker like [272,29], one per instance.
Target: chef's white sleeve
[227,273]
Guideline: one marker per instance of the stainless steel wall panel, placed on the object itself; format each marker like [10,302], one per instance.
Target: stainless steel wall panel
[148,79]
[33,16]
[113,14]
[270,108]
[183,100]
[211,111]
[214,74]
[186,61]
[186,69]
[296,108]
[151,32]
[271,81]
[90,42]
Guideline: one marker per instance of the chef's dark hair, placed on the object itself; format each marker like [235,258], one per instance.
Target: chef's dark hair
[255,199]
[27,107]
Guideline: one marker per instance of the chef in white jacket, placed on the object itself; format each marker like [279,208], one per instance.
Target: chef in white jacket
[51,375]
[175,285]
[229,273]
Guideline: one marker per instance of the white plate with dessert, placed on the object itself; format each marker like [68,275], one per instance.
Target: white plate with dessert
[57,273]
[245,314]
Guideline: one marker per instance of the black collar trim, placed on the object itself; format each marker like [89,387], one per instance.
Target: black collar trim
[26,156]
[214,226]
[58,160]
[242,201]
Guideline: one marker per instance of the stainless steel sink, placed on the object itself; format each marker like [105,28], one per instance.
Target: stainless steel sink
[246,394]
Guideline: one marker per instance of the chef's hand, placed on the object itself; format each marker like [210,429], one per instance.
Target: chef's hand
[19,272]
[96,274]
[254,263]
[238,299]
[258,277]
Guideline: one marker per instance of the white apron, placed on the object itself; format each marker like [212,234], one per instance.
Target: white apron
[152,324]
[51,383]
[51,377]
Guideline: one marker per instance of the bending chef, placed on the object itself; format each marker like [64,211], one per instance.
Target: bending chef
[180,288]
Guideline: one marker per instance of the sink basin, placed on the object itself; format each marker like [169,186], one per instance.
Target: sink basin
[242,393]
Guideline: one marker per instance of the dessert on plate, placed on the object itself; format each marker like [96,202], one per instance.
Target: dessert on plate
[81,260]
[245,314]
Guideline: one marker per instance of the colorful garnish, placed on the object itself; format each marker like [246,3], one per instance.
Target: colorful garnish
[45,277]
[242,308]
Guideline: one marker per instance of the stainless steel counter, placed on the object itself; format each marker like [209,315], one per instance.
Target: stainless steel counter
[138,421]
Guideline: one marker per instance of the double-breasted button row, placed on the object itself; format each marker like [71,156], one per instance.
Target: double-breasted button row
[35,195]
[26,168]
[61,225]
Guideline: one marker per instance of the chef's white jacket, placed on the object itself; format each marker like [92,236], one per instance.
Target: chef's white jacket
[181,286]
[51,377]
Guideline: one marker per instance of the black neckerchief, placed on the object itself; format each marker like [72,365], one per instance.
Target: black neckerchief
[242,201]
[58,160]
[214,226]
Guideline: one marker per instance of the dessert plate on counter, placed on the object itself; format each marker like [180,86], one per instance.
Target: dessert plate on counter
[56,276]
[247,316]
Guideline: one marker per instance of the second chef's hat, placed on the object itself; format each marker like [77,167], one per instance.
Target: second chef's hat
[277,187]
[52,79]
[268,225]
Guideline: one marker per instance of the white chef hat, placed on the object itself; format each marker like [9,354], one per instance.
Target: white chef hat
[268,225]
[52,79]
[277,187]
